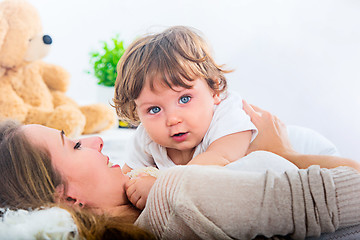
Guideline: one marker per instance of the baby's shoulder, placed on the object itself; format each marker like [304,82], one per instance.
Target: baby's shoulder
[141,136]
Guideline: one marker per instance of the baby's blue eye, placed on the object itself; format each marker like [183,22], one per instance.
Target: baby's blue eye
[184,99]
[154,110]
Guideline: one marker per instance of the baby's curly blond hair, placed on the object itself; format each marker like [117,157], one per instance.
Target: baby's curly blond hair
[176,55]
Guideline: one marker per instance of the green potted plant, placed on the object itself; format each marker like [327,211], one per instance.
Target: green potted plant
[104,61]
[104,64]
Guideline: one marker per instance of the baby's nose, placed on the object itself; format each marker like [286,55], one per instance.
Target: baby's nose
[173,120]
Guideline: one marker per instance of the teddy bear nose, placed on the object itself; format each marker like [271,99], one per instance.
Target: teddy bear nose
[47,39]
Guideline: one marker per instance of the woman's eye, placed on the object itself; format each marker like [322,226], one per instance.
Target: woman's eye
[184,99]
[77,145]
[154,110]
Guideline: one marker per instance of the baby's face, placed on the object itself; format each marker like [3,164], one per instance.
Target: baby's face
[177,118]
[90,180]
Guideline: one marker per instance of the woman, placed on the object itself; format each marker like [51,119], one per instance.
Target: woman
[42,167]
[30,180]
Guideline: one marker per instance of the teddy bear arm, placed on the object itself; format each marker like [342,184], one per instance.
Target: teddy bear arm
[99,117]
[60,98]
[55,77]
[4,26]
[11,105]
[37,115]
[69,119]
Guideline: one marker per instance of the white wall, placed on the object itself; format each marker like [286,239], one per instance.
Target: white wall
[298,59]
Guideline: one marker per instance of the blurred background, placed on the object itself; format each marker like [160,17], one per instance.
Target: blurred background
[298,59]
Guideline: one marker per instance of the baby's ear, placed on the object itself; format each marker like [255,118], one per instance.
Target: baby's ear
[216,94]
[217,98]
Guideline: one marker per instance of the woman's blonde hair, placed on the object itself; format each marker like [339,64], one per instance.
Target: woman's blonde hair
[29,180]
[105,227]
[176,55]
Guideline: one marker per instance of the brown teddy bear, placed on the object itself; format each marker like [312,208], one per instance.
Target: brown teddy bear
[32,91]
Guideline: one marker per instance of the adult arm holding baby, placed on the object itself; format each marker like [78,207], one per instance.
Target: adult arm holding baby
[274,138]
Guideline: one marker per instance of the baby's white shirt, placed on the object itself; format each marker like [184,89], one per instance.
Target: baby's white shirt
[229,117]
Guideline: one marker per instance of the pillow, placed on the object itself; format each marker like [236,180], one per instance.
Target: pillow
[308,141]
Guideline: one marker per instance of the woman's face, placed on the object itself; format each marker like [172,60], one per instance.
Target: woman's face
[89,179]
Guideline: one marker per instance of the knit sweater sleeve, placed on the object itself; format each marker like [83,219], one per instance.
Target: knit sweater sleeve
[197,202]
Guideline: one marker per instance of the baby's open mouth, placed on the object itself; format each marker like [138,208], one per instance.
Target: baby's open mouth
[178,134]
[180,137]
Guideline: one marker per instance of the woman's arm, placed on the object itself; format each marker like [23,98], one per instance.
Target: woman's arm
[215,203]
[273,137]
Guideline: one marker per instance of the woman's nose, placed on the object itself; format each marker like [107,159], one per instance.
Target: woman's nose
[93,142]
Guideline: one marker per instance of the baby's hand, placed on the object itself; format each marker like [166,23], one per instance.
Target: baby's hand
[137,190]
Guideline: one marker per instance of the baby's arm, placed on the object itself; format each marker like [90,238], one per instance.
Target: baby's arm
[224,150]
[137,190]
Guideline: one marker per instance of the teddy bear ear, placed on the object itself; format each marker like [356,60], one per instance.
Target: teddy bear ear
[4,26]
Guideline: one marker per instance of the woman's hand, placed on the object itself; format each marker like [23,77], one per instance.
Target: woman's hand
[272,135]
[137,190]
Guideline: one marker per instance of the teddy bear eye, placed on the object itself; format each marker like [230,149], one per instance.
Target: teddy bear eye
[47,39]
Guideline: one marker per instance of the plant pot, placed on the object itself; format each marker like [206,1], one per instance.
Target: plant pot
[105,95]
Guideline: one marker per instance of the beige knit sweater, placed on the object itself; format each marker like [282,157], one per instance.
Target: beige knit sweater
[197,202]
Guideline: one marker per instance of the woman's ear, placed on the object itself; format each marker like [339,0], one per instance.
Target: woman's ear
[73,202]
[67,198]
[59,193]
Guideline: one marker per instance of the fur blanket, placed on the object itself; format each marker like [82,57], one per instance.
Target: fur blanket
[47,223]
